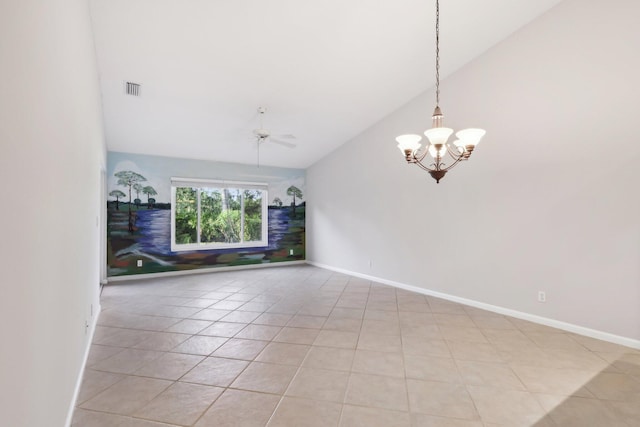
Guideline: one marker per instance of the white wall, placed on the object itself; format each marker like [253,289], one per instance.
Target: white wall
[549,201]
[51,154]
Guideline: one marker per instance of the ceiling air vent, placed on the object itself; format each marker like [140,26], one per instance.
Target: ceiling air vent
[132,88]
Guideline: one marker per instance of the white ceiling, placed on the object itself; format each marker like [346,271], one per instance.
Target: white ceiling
[324,70]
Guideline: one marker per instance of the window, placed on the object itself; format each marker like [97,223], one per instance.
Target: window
[209,214]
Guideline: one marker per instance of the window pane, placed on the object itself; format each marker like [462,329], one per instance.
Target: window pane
[252,215]
[220,221]
[211,207]
[186,215]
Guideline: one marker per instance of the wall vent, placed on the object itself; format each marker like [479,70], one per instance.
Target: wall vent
[132,88]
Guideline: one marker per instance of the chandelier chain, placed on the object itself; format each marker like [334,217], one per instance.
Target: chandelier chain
[437,53]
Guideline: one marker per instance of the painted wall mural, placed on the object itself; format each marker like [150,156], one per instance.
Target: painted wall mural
[139,214]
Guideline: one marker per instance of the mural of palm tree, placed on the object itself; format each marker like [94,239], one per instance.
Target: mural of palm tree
[117,194]
[129,179]
[149,191]
[276,202]
[294,192]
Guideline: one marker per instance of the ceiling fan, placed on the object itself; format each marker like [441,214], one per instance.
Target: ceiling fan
[264,135]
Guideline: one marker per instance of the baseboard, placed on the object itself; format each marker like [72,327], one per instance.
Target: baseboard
[76,391]
[576,329]
[201,271]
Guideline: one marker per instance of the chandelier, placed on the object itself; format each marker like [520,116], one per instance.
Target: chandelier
[438,135]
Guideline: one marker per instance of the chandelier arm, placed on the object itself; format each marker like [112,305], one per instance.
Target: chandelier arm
[424,167]
[456,161]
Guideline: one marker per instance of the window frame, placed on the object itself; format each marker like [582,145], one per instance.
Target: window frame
[219,185]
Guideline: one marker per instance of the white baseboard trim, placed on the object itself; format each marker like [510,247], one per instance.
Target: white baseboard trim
[201,271]
[76,391]
[576,329]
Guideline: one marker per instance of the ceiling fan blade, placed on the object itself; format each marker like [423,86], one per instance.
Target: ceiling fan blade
[283,143]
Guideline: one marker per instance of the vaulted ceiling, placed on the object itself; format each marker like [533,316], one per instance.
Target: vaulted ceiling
[325,71]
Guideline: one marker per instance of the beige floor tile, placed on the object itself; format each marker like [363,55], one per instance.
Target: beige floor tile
[379,363]
[338,339]
[189,326]
[460,320]
[343,339]
[479,352]
[338,359]
[240,317]
[417,327]
[119,337]
[162,341]
[342,324]
[94,382]
[377,392]
[348,313]
[462,334]
[379,342]
[383,327]
[440,399]
[223,329]
[489,374]
[554,340]
[431,368]
[239,408]
[227,305]
[240,349]
[294,411]
[265,378]
[390,316]
[259,332]
[181,403]
[424,420]
[515,408]
[216,371]
[303,321]
[127,396]
[284,353]
[322,384]
[492,322]
[200,345]
[101,352]
[358,416]
[84,418]
[580,412]
[127,361]
[564,382]
[169,366]
[614,386]
[210,314]
[421,346]
[414,307]
[297,335]
[273,319]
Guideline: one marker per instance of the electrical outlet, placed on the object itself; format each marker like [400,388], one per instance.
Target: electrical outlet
[139,263]
[542,296]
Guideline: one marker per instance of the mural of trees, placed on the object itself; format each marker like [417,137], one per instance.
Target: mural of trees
[137,188]
[117,194]
[149,191]
[276,202]
[294,192]
[129,179]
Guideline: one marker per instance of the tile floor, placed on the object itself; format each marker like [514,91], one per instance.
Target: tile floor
[302,346]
